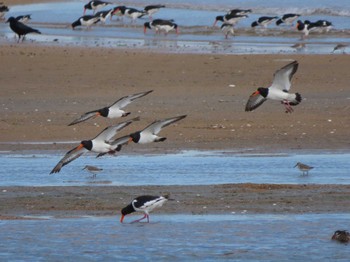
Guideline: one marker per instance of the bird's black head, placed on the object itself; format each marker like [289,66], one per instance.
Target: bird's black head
[220,18]
[147,25]
[11,20]
[87,6]
[75,24]
[87,144]
[135,137]
[104,111]
[254,24]
[263,91]
[125,211]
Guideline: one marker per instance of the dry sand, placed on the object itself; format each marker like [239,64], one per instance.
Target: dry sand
[45,88]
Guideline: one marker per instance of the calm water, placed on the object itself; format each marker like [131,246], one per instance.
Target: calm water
[177,238]
[197,168]
[195,19]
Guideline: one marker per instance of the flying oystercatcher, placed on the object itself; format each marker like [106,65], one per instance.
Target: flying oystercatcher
[100,144]
[20,29]
[112,111]
[144,204]
[278,90]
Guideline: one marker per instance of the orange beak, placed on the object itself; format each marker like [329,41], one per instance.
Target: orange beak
[256,93]
[122,218]
[144,29]
[79,147]
[130,140]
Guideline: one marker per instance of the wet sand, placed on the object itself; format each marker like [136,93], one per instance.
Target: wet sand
[43,88]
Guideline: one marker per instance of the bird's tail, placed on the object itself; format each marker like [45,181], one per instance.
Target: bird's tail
[297,100]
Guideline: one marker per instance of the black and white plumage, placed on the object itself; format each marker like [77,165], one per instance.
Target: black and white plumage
[118,11]
[227,29]
[304,168]
[264,21]
[23,18]
[85,20]
[152,9]
[3,10]
[100,144]
[133,13]
[229,19]
[239,11]
[113,111]
[342,236]
[279,90]
[95,5]
[145,204]
[287,19]
[149,134]
[306,27]
[161,25]
[20,29]
[104,15]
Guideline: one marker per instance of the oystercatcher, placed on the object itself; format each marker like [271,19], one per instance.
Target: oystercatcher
[288,19]
[239,11]
[149,134]
[3,10]
[103,15]
[133,13]
[112,111]
[227,29]
[304,168]
[229,19]
[100,144]
[144,204]
[118,11]
[20,29]
[277,91]
[264,21]
[161,25]
[23,18]
[86,20]
[306,27]
[342,236]
[152,9]
[95,5]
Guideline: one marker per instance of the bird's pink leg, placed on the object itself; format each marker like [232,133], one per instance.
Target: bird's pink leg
[138,220]
[288,107]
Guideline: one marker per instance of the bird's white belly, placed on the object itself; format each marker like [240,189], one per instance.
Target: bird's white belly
[101,147]
[115,113]
[147,138]
[277,94]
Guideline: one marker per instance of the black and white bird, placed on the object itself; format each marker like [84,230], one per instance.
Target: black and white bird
[239,11]
[95,5]
[23,18]
[104,15]
[304,168]
[227,29]
[229,19]
[3,10]
[133,14]
[264,21]
[85,20]
[20,29]
[279,90]
[119,11]
[149,134]
[160,25]
[287,19]
[306,27]
[102,143]
[113,111]
[342,236]
[150,10]
[145,204]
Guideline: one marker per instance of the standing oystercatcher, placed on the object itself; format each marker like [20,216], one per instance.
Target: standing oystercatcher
[86,20]
[306,27]
[100,144]
[133,13]
[277,91]
[264,21]
[144,204]
[3,10]
[103,15]
[112,111]
[20,29]
[160,25]
[288,19]
[152,9]
[229,18]
[149,134]
[23,18]
[95,5]
[118,11]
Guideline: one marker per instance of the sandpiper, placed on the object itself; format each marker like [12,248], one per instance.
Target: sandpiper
[340,47]
[93,170]
[304,168]
[342,236]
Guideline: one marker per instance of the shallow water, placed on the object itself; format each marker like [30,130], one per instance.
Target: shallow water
[177,238]
[196,168]
[195,21]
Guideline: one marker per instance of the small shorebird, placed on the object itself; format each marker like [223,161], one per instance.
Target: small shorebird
[112,111]
[20,29]
[342,236]
[304,168]
[299,46]
[277,91]
[340,47]
[93,170]
[143,204]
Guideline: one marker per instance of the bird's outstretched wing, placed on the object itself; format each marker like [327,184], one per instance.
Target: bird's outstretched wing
[156,126]
[109,132]
[282,77]
[124,101]
[86,116]
[255,100]
[118,144]
[69,157]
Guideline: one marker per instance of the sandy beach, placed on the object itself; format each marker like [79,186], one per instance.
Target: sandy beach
[43,88]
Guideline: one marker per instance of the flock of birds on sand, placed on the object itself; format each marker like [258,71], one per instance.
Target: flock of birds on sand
[104,143]
[229,21]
